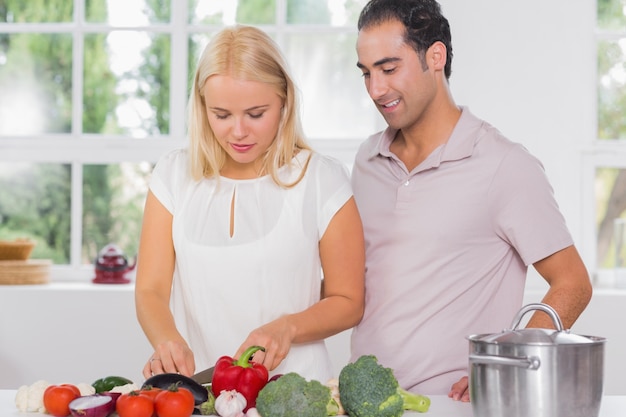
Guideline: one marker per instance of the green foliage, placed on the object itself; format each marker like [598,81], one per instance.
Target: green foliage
[256,11]
[35,203]
[158,11]
[34,11]
[95,11]
[110,213]
[99,97]
[156,68]
[611,14]
[308,11]
[353,9]
[293,396]
[611,92]
[97,202]
[38,63]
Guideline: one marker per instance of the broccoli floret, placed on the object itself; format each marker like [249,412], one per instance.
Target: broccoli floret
[368,389]
[293,396]
[207,408]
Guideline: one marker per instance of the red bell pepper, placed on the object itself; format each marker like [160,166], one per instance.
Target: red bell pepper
[241,375]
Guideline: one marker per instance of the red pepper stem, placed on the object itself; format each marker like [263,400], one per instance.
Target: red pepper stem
[244,359]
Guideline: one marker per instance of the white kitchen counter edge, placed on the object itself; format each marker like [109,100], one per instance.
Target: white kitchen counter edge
[441,406]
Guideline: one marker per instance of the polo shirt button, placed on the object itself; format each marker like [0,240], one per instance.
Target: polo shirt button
[406,184]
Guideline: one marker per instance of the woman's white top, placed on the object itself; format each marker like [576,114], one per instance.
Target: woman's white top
[225,286]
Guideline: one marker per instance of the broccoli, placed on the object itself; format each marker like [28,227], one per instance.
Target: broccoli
[293,396]
[207,408]
[367,389]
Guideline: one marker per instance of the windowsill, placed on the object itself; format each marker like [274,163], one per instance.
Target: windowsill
[597,291]
[599,288]
[71,286]
[606,279]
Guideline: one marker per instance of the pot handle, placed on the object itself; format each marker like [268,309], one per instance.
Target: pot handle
[558,324]
[530,362]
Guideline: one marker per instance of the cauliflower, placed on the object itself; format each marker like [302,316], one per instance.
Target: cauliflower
[333,384]
[30,398]
[124,389]
[85,389]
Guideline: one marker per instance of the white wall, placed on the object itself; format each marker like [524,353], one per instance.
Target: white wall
[527,67]
[69,333]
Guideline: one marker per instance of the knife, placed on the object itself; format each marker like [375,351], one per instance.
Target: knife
[204,377]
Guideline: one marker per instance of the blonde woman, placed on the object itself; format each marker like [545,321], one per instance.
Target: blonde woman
[240,228]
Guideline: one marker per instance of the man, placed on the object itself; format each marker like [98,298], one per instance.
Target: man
[454,212]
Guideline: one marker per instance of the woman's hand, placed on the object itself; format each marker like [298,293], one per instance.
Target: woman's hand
[170,357]
[342,253]
[276,337]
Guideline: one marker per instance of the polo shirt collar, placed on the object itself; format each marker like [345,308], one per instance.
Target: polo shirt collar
[460,144]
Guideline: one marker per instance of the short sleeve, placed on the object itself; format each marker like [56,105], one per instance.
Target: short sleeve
[167,177]
[333,187]
[525,209]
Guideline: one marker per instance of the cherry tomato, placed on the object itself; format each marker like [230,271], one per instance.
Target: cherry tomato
[57,399]
[174,402]
[134,404]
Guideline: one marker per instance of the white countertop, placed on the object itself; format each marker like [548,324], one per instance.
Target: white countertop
[441,406]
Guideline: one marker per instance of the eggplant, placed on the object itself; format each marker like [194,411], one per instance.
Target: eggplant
[164,381]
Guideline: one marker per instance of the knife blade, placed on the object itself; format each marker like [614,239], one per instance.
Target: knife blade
[205,376]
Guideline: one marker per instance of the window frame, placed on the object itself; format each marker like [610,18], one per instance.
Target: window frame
[599,153]
[77,148]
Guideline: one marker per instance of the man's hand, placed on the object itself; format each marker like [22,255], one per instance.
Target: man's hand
[460,390]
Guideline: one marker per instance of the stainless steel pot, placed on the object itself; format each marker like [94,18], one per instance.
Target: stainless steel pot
[536,372]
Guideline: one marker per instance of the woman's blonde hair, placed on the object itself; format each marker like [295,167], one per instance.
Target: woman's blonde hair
[249,54]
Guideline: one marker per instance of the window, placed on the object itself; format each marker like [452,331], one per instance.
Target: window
[94,91]
[606,162]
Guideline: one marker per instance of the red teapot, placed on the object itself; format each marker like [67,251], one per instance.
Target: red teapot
[111,265]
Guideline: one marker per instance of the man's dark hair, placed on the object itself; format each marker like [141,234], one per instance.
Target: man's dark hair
[422,20]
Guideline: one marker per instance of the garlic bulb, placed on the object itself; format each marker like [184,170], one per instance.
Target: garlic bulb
[230,404]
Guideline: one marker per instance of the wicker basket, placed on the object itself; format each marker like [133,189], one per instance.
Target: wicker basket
[25,272]
[18,249]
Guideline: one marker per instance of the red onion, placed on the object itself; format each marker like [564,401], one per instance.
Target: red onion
[96,405]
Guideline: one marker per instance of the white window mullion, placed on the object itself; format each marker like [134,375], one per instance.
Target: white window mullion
[76,218]
[76,228]
[78,37]
[281,23]
[178,71]
[588,243]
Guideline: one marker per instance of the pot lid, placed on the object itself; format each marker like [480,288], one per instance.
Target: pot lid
[535,336]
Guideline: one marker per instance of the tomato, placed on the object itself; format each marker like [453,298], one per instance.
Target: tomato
[134,404]
[174,402]
[57,399]
[151,392]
